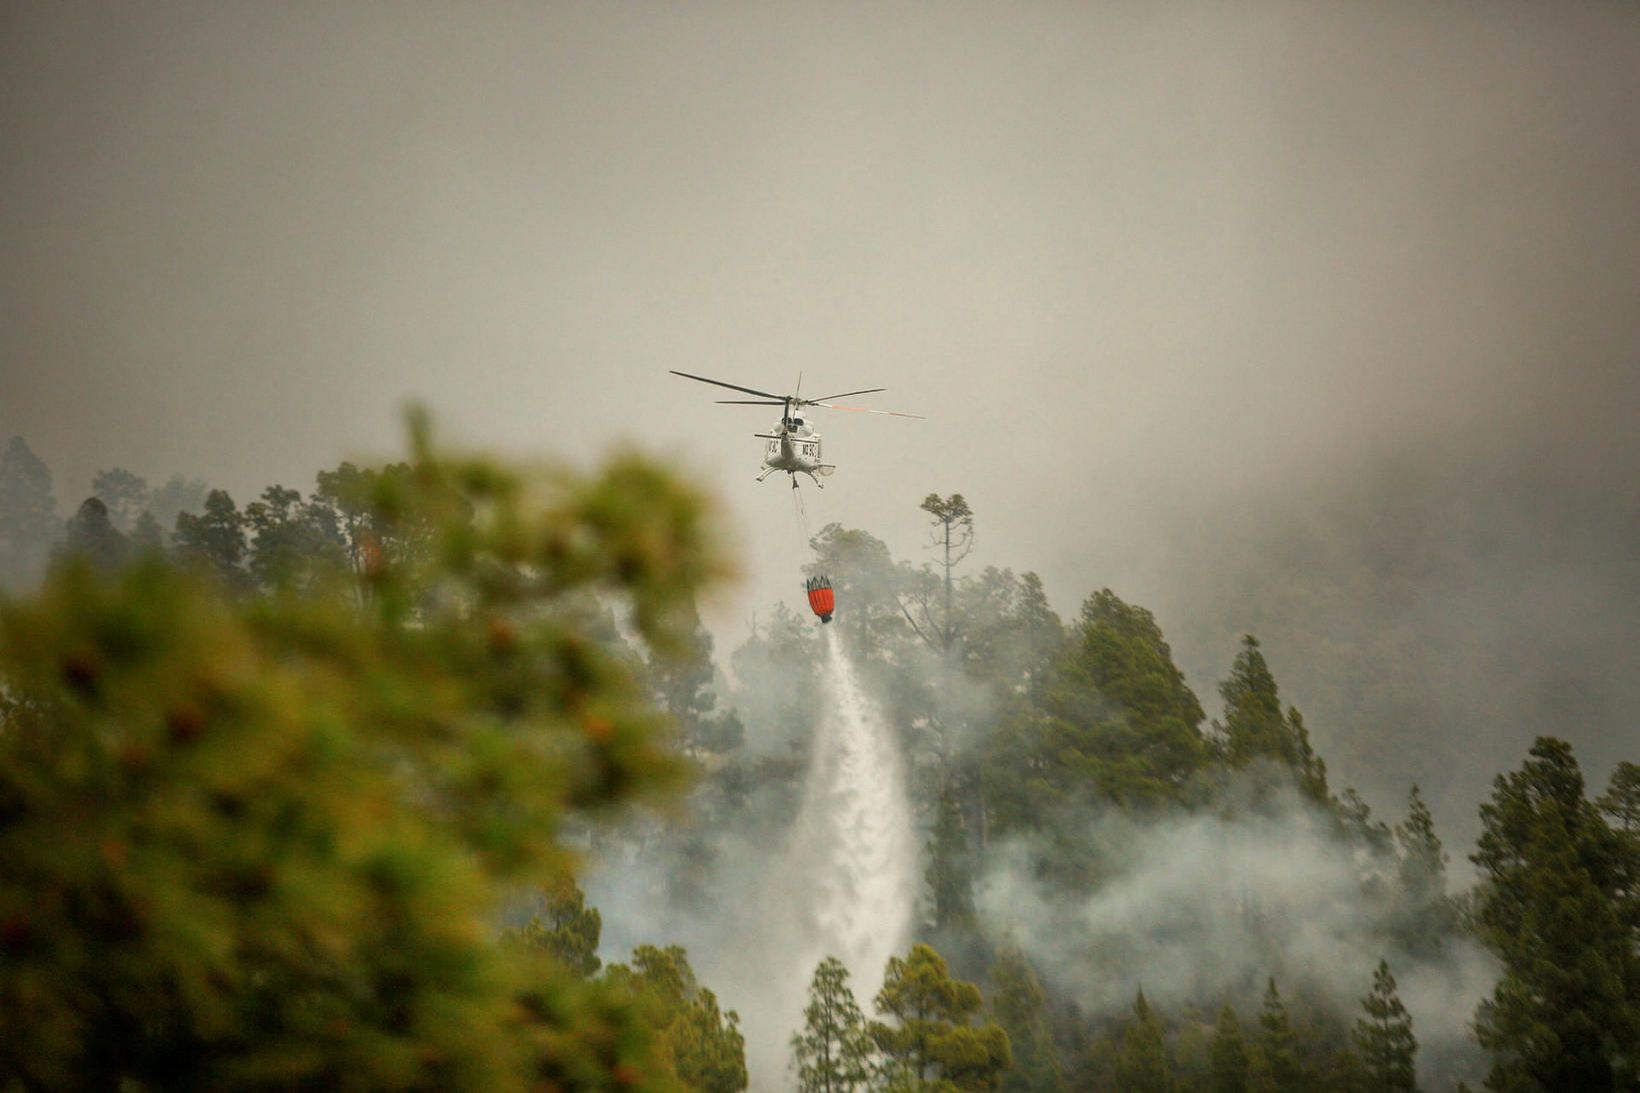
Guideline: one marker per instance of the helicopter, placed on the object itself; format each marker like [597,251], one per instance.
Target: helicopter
[793,445]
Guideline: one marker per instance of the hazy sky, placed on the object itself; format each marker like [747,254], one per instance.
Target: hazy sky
[1162,277]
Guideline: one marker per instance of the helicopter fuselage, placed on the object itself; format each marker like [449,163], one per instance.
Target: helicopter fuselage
[793,446]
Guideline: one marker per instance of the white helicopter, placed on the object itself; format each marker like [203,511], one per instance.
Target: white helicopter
[794,446]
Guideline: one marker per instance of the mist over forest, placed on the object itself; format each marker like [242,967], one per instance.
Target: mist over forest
[1232,680]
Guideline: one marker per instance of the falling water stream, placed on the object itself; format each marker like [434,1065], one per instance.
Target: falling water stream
[854,834]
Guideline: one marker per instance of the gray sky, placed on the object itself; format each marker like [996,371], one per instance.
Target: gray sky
[1174,284]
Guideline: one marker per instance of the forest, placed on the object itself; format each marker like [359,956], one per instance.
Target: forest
[431,777]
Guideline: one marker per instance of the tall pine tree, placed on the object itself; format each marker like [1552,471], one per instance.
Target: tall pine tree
[1277,1043]
[1552,908]
[931,1043]
[1427,916]
[1019,1005]
[214,540]
[28,518]
[1142,1065]
[1254,726]
[1383,1039]
[1228,1054]
[833,1053]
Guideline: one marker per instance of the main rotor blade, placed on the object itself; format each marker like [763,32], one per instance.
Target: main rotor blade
[868,410]
[730,386]
[868,391]
[747,402]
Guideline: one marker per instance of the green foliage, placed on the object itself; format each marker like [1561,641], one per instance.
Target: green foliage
[214,540]
[1229,1054]
[949,875]
[1142,1065]
[1383,1038]
[953,532]
[1019,1005]
[701,1046]
[685,686]
[951,515]
[565,928]
[1255,728]
[1621,801]
[92,538]
[1426,917]
[1115,722]
[28,516]
[260,843]
[1277,1044]
[833,1052]
[1555,908]
[294,545]
[1009,633]
[1373,837]
[931,1043]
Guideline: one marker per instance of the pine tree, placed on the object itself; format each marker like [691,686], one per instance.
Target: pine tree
[1142,1065]
[1116,721]
[1255,727]
[932,1040]
[147,537]
[28,519]
[949,873]
[1427,915]
[1277,1043]
[1552,908]
[1010,633]
[214,540]
[953,523]
[703,1044]
[1229,1054]
[1310,768]
[1383,1039]
[833,1053]
[684,683]
[1019,1005]
[1423,860]
[1621,801]
[293,544]
[565,928]
[91,538]
[1370,835]
[707,1047]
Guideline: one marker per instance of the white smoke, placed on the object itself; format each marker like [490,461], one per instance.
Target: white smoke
[1200,908]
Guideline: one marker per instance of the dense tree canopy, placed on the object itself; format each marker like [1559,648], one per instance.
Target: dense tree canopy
[265,814]
[259,844]
[1556,906]
[930,1041]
